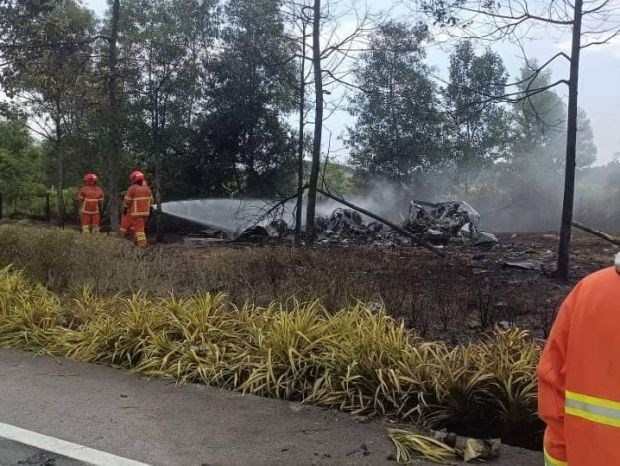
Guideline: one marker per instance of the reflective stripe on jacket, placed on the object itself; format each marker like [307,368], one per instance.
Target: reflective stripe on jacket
[138,200]
[90,197]
[579,376]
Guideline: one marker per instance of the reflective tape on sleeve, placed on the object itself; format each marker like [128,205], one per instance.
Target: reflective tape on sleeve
[593,409]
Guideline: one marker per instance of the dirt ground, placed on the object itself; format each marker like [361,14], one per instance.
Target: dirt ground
[453,299]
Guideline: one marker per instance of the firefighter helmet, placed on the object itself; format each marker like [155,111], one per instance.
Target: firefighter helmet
[90,178]
[136,176]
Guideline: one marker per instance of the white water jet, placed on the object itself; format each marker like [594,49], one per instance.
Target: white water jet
[225,214]
[235,215]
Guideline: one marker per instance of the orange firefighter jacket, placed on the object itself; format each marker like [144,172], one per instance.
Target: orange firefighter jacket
[579,376]
[91,197]
[138,200]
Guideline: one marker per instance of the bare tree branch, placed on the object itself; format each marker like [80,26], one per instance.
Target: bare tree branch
[602,41]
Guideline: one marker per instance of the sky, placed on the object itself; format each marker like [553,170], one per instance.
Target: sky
[599,90]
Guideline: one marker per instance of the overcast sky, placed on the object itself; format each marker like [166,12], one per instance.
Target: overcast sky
[599,80]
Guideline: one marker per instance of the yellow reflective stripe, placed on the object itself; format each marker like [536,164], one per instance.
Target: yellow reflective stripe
[90,212]
[551,461]
[592,400]
[596,418]
[593,409]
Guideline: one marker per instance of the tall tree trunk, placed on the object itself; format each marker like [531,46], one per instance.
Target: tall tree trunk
[300,155]
[159,218]
[318,121]
[60,173]
[113,116]
[571,147]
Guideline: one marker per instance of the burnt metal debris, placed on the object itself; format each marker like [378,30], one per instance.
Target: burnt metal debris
[347,226]
[444,222]
[437,223]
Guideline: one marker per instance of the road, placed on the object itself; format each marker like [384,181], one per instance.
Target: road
[47,402]
[18,454]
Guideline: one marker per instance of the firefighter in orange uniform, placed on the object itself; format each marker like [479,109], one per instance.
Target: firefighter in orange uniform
[579,376]
[91,199]
[137,206]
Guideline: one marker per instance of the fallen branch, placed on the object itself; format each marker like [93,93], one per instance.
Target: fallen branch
[393,226]
[612,239]
[276,206]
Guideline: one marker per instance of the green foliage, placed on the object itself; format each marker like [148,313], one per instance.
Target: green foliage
[162,66]
[477,122]
[350,359]
[540,123]
[20,162]
[586,148]
[49,73]
[336,178]
[207,88]
[399,126]
[242,143]
[539,141]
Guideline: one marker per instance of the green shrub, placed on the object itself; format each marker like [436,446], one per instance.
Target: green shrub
[350,359]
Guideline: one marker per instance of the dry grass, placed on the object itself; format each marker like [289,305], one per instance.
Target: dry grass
[410,445]
[353,359]
[402,281]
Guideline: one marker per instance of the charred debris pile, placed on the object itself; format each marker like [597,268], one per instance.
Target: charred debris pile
[439,224]
[431,225]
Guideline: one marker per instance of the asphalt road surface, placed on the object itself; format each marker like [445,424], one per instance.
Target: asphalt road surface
[18,454]
[70,413]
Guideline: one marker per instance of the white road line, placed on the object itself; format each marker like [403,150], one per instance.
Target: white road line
[63,448]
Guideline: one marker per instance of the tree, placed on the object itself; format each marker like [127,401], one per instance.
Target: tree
[319,107]
[398,128]
[478,129]
[114,130]
[21,172]
[586,148]
[301,149]
[593,22]
[19,24]
[539,140]
[336,178]
[47,74]
[332,47]
[163,65]
[243,144]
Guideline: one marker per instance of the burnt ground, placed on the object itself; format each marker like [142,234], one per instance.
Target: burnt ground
[452,299]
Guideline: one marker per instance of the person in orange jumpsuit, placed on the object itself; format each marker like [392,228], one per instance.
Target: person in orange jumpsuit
[579,375]
[91,200]
[137,207]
